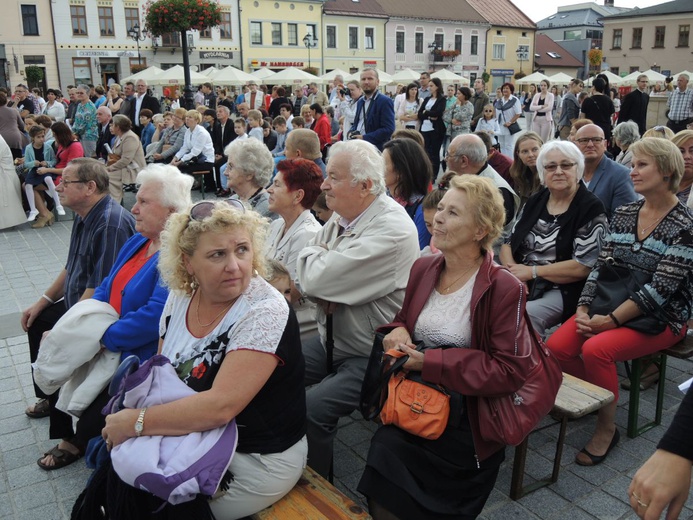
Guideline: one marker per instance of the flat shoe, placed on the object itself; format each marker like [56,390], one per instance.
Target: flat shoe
[32,216]
[598,459]
[646,382]
[60,210]
[61,458]
[40,222]
[40,409]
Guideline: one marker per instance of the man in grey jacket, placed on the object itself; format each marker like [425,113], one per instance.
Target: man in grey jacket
[356,268]
[571,108]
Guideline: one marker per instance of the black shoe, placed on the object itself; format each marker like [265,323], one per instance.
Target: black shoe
[598,459]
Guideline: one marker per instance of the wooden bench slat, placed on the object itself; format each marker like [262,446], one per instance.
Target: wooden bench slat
[313,498]
[576,398]
[682,350]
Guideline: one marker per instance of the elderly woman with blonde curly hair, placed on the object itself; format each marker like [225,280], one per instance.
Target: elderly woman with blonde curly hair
[249,170]
[234,340]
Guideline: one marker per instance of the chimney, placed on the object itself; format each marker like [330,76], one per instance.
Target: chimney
[608,3]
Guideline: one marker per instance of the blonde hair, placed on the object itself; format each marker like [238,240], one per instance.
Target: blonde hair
[666,155]
[182,234]
[275,269]
[255,115]
[681,137]
[486,205]
[195,115]
[660,132]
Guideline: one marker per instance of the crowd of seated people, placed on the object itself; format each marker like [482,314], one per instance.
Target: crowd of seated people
[363,241]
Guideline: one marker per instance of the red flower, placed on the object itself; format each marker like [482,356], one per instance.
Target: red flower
[199,370]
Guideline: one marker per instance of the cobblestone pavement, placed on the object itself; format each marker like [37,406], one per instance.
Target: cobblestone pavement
[30,259]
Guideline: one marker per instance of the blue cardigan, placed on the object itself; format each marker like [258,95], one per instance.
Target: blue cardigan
[137,330]
[30,156]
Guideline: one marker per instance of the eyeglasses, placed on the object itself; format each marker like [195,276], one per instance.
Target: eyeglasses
[564,166]
[204,208]
[585,140]
[63,182]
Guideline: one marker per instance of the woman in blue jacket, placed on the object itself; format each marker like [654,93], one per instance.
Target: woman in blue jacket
[133,289]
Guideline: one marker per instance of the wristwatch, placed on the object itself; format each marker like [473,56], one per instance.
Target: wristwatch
[139,424]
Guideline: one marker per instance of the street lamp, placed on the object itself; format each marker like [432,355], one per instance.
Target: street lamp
[522,54]
[309,41]
[138,37]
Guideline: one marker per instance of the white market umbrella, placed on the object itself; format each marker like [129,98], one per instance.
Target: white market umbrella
[329,76]
[406,76]
[292,76]
[447,76]
[263,73]
[614,80]
[534,77]
[232,76]
[652,77]
[149,74]
[209,72]
[176,76]
[560,79]
[384,77]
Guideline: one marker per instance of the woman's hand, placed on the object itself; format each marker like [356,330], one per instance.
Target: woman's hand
[521,271]
[415,361]
[592,326]
[397,337]
[42,171]
[664,480]
[456,122]
[119,427]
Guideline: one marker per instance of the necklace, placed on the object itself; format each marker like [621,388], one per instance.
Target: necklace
[447,289]
[197,313]
[642,231]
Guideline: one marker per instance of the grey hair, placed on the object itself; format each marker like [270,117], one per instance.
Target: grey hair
[252,157]
[570,150]
[224,108]
[684,75]
[627,132]
[104,108]
[88,169]
[157,118]
[472,146]
[174,186]
[366,162]
[83,87]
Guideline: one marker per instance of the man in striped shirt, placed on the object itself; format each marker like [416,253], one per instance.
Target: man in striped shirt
[680,105]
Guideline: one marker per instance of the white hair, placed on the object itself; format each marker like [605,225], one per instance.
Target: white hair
[252,157]
[174,186]
[568,149]
[366,162]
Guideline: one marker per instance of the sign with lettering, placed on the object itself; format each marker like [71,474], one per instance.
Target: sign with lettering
[502,72]
[205,55]
[92,53]
[278,64]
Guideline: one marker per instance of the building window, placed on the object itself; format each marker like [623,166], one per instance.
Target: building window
[439,40]
[331,36]
[618,36]
[256,33]
[660,30]
[615,70]
[106,21]
[418,43]
[276,34]
[634,69]
[370,37]
[498,51]
[29,20]
[684,33]
[310,28]
[399,42]
[207,34]
[458,42]
[292,30]
[475,46]
[81,69]
[78,14]
[572,34]
[637,38]
[171,39]
[132,18]
[224,27]
[353,37]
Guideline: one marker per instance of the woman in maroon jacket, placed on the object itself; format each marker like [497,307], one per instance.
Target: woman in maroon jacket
[460,299]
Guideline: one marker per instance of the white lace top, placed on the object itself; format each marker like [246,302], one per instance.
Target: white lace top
[446,318]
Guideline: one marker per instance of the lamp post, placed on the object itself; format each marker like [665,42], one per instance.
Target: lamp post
[138,37]
[309,41]
[522,54]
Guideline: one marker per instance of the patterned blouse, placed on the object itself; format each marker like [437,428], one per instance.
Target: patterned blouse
[667,253]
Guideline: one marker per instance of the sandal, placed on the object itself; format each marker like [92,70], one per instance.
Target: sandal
[39,410]
[598,459]
[646,380]
[61,458]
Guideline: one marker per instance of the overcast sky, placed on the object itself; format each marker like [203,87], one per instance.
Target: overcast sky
[540,9]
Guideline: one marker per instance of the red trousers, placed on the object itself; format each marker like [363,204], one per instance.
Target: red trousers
[593,359]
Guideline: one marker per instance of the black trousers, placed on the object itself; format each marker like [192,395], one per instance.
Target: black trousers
[43,323]
[89,425]
[210,185]
[432,143]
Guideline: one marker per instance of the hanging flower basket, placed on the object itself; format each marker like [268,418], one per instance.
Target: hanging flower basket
[165,16]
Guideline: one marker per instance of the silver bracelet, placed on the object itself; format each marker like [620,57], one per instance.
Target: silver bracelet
[534,272]
[49,300]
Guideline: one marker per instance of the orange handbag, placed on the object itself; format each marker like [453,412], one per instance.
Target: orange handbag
[415,406]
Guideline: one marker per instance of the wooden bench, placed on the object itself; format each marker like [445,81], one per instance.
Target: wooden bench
[313,498]
[682,350]
[576,398]
[200,172]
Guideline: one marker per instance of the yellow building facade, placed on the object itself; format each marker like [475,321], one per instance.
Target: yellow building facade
[274,34]
[509,50]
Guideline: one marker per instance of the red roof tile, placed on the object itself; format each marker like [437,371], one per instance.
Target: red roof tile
[543,45]
[503,13]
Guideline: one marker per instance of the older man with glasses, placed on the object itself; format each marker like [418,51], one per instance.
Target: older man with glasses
[680,105]
[23,102]
[607,179]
